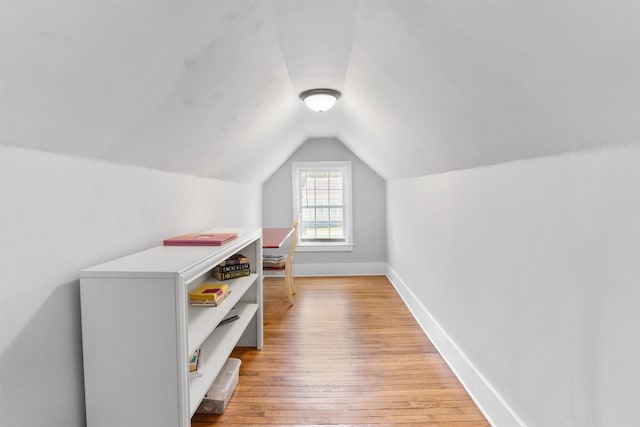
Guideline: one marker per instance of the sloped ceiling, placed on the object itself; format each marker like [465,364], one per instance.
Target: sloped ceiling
[210,87]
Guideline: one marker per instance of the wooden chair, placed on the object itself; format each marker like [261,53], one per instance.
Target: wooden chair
[288,264]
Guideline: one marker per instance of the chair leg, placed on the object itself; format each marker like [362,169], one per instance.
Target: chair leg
[288,281]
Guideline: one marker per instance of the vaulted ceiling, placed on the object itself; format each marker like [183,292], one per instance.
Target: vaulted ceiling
[210,87]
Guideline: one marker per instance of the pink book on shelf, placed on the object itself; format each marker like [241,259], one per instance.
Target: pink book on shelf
[200,239]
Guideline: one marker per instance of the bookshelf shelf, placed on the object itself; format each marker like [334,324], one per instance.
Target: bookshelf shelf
[202,320]
[218,346]
[138,330]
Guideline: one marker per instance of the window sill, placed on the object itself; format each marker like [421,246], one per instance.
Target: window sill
[318,247]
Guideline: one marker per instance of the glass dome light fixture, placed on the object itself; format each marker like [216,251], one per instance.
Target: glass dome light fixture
[320,99]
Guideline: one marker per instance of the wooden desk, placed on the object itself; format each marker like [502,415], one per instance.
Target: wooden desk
[275,237]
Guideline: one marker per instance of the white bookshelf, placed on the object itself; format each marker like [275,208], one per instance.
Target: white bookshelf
[138,330]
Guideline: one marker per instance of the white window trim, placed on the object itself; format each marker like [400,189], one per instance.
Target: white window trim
[345,246]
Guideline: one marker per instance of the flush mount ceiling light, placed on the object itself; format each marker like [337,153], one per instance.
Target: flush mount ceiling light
[320,99]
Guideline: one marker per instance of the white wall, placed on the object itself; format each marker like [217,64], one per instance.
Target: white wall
[532,268]
[60,214]
[369,212]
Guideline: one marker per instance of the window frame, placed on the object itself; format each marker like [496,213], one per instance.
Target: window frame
[325,246]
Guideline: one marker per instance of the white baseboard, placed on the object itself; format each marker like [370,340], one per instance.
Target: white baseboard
[494,408]
[334,269]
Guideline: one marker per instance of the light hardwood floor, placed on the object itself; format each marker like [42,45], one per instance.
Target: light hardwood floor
[347,353]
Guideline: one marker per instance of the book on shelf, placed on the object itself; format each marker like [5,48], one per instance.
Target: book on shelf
[195,363]
[210,303]
[230,274]
[234,260]
[200,239]
[209,293]
[207,289]
[236,267]
[230,317]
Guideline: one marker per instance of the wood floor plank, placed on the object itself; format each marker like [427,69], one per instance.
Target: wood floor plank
[347,353]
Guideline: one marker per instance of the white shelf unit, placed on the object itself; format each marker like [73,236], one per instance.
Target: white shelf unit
[138,330]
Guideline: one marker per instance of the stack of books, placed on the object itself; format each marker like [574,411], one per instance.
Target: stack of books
[235,266]
[273,261]
[209,294]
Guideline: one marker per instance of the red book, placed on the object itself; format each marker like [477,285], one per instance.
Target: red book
[200,239]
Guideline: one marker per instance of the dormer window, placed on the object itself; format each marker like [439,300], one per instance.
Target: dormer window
[322,203]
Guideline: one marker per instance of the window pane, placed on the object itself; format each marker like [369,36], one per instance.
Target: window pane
[321,181]
[308,215]
[335,198]
[337,217]
[335,180]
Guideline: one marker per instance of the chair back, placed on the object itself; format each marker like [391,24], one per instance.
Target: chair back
[294,242]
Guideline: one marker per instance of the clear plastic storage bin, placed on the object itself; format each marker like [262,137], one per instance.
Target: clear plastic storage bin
[217,398]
